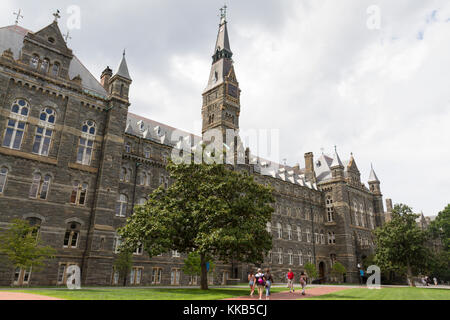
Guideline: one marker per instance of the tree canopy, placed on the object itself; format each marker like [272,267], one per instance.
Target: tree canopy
[210,209]
[22,246]
[400,244]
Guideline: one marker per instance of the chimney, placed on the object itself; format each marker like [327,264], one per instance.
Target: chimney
[310,175]
[104,79]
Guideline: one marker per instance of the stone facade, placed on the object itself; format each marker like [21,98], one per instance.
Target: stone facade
[76,162]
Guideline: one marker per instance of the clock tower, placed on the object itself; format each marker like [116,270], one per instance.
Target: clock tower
[221,98]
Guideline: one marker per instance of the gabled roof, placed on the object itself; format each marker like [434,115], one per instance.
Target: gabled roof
[11,37]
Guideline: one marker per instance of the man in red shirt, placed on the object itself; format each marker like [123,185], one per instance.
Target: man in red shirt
[290,277]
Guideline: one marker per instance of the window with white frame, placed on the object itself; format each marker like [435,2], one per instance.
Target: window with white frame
[156,275]
[269,227]
[3,178]
[139,250]
[79,193]
[44,132]
[121,206]
[310,257]
[22,276]
[16,123]
[116,244]
[72,235]
[34,61]
[279,231]
[322,237]
[142,178]
[308,235]
[280,256]
[40,186]
[361,209]
[289,232]
[355,212]
[300,258]
[193,280]
[269,256]
[44,65]
[290,257]
[175,254]
[299,233]
[330,209]
[147,153]
[55,69]
[86,143]
[127,147]
[115,278]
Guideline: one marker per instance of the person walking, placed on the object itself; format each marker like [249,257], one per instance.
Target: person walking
[251,283]
[435,281]
[269,281]
[260,283]
[303,281]
[290,277]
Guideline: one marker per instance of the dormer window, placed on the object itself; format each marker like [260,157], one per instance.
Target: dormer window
[141,125]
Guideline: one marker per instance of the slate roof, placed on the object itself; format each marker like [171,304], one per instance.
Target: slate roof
[122,70]
[11,37]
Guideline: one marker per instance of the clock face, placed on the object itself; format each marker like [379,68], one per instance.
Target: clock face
[232,90]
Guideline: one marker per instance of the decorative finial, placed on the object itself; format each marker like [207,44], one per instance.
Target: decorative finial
[223,13]
[56,15]
[322,150]
[335,148]
[124,52]
[67,36]
[18,16]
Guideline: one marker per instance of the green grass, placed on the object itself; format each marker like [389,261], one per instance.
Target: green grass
[387,294]
[144,294]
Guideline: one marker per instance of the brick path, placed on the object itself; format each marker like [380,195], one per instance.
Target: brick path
[311,292]
[23,296]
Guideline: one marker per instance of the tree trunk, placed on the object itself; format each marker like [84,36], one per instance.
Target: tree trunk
[409,274]
[125,280]
[204,274]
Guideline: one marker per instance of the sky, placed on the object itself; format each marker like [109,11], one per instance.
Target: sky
[370,77]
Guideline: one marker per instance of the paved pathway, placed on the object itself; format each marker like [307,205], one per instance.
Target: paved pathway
[311,292]
[23,296]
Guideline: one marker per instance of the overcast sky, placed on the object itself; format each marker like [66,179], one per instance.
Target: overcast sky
[311,68]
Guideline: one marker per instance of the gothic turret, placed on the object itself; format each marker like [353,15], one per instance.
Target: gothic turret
[119,84]
[374,183]
[221,98]
[337,168]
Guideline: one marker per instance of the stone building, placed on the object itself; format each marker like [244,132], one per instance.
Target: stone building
[74,161]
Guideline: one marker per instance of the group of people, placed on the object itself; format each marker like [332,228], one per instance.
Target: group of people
[426,281]
[263,281]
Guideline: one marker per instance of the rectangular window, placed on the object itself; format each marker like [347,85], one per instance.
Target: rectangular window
[156,275]
[136,275]
[42,141]
[84,153]
[62,272]
[3,178]
[14,134]
[175,277]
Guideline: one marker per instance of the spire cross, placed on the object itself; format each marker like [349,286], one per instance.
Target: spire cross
[18,16]
[56,15]
[223,12]
[67,36]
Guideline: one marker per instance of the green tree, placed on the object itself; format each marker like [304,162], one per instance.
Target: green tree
[123,264]
[210,209]
[338,271]
[311,271]
[23,247]
[400,244]
[439,231]
[192,264]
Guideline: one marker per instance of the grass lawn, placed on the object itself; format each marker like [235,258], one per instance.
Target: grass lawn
[144,294]
[387,294]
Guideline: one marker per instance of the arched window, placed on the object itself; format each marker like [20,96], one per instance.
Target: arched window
[300,258]
[3,178]
[280,231]
[299,233]
[289,232]
[72,235]
[308,235]
[291,257]
[34,61]
[55,69]
[86,143]
[44,65]
[15,126]
[40,186]
[330,209]
[44,132]
[79,193]
[121,207]
[280,256]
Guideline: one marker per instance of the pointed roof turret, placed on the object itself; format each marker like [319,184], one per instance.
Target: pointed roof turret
[373,176]
[122,71]
[337,163]
[222,63]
